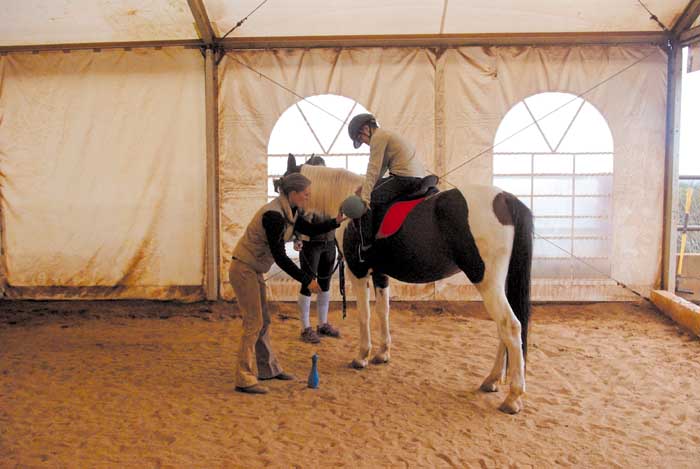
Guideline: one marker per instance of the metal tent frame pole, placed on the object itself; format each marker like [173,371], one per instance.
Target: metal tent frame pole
[208,36]
[673,117]
[212,236]
[687,18]
[690,36]
[407,40]
[673,114]
[448,40]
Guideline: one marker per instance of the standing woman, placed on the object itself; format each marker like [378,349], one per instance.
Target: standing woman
[261,245]
[317,257]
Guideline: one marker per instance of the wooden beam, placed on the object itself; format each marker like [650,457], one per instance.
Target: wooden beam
[690,36]
[408,40]
[211,280]
[201,19]
[673,117]
[102,45]
[687,18]
[680,310]
[446,40]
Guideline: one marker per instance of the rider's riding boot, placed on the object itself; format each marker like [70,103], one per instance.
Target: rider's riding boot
[367,242]
[369,228]
[366,237]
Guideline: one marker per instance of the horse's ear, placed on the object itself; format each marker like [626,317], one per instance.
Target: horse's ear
[292,165]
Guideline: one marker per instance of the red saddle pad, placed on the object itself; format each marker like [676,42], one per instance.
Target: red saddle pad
[395,217]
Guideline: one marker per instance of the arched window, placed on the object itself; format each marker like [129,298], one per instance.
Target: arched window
[317,125]
[555,152]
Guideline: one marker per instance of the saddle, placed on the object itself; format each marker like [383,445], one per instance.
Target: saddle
[428,186]
[402,206]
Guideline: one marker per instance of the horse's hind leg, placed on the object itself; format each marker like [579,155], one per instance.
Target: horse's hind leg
[498,372]
[381,294]
[360,287]
[509,333]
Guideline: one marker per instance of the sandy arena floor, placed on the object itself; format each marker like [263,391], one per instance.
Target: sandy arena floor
[132,384]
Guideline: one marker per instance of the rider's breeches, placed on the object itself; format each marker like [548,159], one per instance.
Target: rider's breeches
[318,258]
[385,191]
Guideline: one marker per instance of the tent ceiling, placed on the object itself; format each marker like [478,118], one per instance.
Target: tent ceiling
[89,21]
[373,17]
[96,21]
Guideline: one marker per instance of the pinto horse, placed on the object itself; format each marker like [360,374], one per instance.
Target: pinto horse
[481,230]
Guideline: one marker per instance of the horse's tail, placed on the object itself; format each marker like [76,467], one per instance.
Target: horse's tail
[519,268]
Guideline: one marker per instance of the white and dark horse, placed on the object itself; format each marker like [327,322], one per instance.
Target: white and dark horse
[482,231]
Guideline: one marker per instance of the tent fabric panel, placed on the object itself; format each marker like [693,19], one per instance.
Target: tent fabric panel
[318,18]
[486,83]
[503,16]
[480,85]
[369,17]
[395,84]
[102,158]
[88,21]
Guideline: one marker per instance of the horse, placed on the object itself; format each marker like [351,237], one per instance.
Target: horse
[480,230]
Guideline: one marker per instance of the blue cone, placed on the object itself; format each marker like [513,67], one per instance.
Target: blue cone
[313,376]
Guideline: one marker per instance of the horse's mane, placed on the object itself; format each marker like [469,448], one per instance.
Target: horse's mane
[329,187]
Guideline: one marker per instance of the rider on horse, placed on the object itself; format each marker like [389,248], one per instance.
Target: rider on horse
[387,151]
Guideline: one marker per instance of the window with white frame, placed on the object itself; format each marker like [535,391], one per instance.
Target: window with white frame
[317,125]
[554,151]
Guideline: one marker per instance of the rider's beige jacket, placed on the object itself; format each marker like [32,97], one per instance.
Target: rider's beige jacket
[388,151]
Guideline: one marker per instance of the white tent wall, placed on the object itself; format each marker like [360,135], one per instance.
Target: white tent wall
[485,83]
[396,84]
[102,159]
[466,91]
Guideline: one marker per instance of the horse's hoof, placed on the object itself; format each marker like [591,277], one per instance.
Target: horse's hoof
[358,364]
[380,359]
[511,407]
[489,386]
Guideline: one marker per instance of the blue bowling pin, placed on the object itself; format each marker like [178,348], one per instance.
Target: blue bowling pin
[313,376]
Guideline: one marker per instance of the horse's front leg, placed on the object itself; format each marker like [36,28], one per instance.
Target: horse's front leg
[381,294]
[361,288]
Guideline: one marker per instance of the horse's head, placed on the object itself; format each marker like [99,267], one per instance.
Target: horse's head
[293,167]
[316,161]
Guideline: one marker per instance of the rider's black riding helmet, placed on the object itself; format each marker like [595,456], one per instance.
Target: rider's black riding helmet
[356,123]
